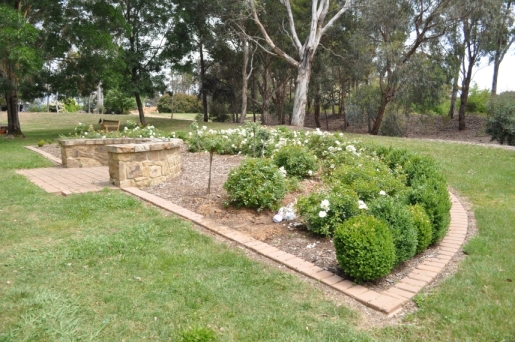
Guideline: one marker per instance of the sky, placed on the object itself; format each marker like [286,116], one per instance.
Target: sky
[506,81]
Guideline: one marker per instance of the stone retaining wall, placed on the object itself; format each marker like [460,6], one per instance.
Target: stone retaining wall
[91,152]
[141,165]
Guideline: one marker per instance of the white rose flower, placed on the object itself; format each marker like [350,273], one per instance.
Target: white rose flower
[322,214]
[362,205]
[351,148]
[382,192]
[325,205]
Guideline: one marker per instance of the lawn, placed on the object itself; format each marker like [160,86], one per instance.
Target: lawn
[107,267]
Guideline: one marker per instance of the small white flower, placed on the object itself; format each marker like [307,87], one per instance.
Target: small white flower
[351,148]
[362,205]
[204,127]
[310,173]
[283,171]
[382,192]
[85,133]
[332,166]
[325,205]
[322,214]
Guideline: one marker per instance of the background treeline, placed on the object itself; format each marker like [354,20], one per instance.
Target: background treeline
[370,62]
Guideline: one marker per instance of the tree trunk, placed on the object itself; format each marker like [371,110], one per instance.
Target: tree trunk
[454,96]
[253,95]
[245,80]
[380,114]
[317,112]
[326,119]
[140,110]
[497,63]
[301,93]
[465,86]
[13,118]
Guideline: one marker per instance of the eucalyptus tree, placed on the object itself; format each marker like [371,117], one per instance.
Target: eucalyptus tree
[196,28]
[503,38]
[477,29]
[318,26]
[399,30]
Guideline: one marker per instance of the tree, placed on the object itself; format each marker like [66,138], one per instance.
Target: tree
[399,29]
[143,46]
[477,24]
[198,18]
[117,102]
[306,52]
[503,38]
[19,59]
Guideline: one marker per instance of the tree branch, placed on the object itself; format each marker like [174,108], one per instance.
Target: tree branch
[336,16]
[269,41]
[295,38]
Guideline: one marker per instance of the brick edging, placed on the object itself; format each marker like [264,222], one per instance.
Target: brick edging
[389,302]
[53,158]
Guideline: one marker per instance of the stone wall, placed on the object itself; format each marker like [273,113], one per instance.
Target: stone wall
[141,165]
[91,152]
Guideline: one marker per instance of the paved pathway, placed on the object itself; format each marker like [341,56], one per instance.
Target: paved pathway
[79,180]
[59,180]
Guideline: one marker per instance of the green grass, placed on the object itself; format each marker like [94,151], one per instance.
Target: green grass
[75,264]
[106,267]
[177,116]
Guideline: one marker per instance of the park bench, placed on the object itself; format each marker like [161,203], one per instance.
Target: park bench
[110,125]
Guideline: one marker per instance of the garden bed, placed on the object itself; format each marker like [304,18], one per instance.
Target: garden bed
[189,190]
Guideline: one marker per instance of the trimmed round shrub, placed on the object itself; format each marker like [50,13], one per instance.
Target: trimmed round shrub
[256,183]
[296,160]
[433,196]
[423,227]
[364,248]
[399,220]
[323,211]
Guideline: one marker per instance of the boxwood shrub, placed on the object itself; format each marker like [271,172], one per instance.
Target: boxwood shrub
[256,183]
[423,227]
[399,220]
[432,194]
[364,248]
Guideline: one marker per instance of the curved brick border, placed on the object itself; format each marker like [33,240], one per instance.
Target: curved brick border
[389,302]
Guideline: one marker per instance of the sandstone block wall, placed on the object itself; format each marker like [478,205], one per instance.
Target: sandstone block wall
[91,152]
[141,165]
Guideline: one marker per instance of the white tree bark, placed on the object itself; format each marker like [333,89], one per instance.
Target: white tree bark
[306,51]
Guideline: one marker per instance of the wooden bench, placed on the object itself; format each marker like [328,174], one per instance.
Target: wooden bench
[110,125]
